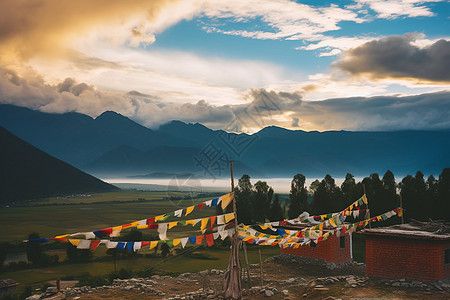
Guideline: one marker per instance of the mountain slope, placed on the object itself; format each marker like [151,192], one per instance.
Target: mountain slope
[29,173]
[114,145]
[76,138]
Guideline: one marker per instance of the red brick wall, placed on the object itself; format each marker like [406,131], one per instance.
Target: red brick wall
[328,250]
[395,257]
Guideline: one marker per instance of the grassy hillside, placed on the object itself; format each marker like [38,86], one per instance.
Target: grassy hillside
[29,173]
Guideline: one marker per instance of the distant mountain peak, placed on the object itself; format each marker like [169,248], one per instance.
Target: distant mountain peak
[109,114]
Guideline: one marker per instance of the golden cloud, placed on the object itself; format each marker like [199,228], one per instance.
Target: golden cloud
[45,27]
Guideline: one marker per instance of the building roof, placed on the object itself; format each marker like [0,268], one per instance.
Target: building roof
[7,283]
[435,230]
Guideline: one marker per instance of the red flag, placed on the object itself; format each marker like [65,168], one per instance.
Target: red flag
[199,239]
[200,206]
[94,244]
[144,244]
[210,239]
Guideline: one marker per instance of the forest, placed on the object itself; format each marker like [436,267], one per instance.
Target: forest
[422,198]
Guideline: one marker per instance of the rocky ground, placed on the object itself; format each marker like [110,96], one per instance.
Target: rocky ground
[284,277]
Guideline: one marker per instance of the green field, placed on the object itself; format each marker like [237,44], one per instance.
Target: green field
[56,216]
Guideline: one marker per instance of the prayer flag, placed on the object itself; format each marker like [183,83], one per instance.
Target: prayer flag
[153,244]
[172,224]
[74,242]
[189,210]
[204,223]
[209,240]
[111,245]
[226,200]
[94,244]
[84,244]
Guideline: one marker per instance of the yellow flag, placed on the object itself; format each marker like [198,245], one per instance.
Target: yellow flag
[142,226]
[192,222]
[400,211]
[263,227]
[158,217]
[229,217]
[153,244]
[74,242]
[61,236]
[297,246]
[189,210]
[332,222]
[172,224]
[364,198]
[204,223]
[176,242]
[226,199]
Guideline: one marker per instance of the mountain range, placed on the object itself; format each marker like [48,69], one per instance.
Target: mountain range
[112,145]
[29,173]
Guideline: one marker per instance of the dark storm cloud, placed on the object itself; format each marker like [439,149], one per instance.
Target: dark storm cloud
[397,57]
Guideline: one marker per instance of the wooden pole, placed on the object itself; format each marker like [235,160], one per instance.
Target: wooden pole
[401,208]
[247,265]
[260,268]
[232,282]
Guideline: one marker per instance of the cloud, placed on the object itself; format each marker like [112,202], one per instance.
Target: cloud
[391,9]
[46,27]
[285,19]
[262,108]
[398,57]
[418,112]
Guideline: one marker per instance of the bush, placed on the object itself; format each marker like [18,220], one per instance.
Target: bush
[121,274]
[87,279]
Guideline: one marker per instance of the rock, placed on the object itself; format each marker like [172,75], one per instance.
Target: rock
[397,284]
[285,292]
[34,297]
[268,293]
[128,288]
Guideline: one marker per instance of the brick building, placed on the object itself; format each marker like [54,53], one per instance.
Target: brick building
[334,249]
[417,250]
[7,287]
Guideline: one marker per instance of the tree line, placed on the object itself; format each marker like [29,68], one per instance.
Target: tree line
[422,199]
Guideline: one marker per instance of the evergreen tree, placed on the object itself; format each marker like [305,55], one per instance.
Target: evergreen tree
[431,198]
[261,201]
[298,196]
[374,190]
[244,202]
[389,198]
[443,194]
[348,188]
[314,186]
[276,211]
[413,192]
[327,197]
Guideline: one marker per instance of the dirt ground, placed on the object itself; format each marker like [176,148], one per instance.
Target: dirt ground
[296,281]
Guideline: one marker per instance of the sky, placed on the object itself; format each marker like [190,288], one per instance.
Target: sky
[234,65]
